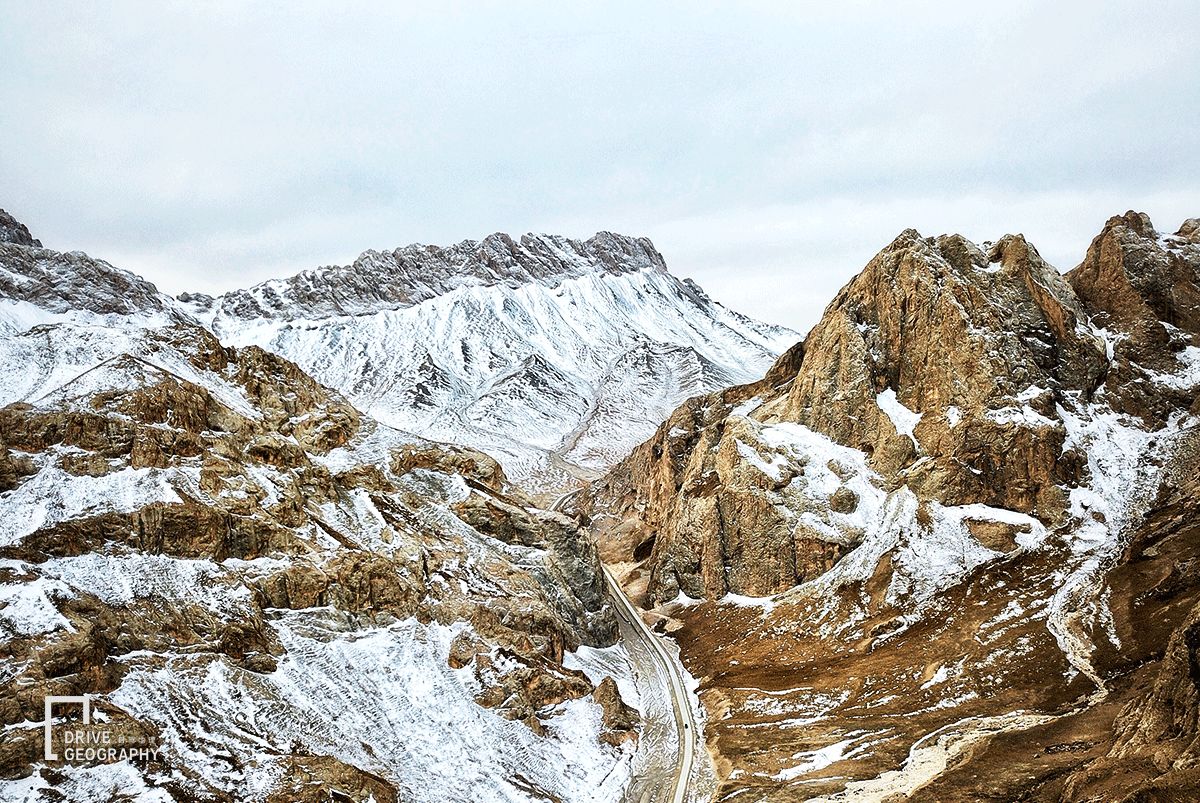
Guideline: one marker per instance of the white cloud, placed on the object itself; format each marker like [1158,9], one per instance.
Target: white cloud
[769,148]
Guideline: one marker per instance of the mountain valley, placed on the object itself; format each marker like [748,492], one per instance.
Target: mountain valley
[345,536]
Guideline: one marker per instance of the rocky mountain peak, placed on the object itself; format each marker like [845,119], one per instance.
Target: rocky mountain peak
[941,322]
[380,280]
[75,282]
[14,231]
[950,369]
[933,359]
[1136,222]
[968,449]
[1136,281]
[169,501]
[554,355]
[1190,230]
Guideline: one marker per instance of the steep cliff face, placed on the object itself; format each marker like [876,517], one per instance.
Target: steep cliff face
[952,371]
[965,444]
[288,598]
[555,356]
[1141,284]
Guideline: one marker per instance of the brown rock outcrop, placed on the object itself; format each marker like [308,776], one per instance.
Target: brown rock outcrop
[981,346]
[620,721]
[1134,281]
[963,494]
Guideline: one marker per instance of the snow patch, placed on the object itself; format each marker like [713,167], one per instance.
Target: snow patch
[814,760]
[382,700]
[52,496]
[773,469]
[28,609]
[764,604]
[903,419]
[953,415]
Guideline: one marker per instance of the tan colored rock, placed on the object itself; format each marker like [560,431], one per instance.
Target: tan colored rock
[620,721]
[980,345]
[254,500]
[1136,283]
[321,779]
[864,641]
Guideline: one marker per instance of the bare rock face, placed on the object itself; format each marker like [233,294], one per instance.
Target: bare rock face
[941,325]
[14,231]
[941,363]
[74,282]
[620,721]
[945,533]
[187,525]
[1138,282]
[1161,728]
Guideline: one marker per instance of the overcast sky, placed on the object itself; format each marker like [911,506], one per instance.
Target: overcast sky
[769,149]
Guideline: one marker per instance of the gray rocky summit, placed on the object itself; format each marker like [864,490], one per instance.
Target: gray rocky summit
[14,231]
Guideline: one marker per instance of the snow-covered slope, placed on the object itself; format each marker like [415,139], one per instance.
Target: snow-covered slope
[555,356]
[285,598]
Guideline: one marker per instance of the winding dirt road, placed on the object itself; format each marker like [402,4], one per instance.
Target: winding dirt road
[685,723]
[644,643]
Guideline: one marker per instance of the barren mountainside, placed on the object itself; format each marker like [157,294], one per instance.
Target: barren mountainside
[298,537]
[947,544]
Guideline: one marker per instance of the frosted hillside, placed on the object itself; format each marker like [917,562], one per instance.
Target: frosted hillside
[555,356]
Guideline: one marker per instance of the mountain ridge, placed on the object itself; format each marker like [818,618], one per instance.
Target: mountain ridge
[14,231]
[554,355]
[410,274]
[287,599]
[955,508]
[950,529]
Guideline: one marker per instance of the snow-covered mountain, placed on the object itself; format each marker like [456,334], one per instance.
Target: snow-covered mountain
[285,599]
[555,356]
[944,549]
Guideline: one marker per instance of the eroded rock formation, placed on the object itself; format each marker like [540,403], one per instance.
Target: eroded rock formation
[942,491]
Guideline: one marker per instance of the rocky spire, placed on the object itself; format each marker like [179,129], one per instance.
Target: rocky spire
[14,231]
[1136,281]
